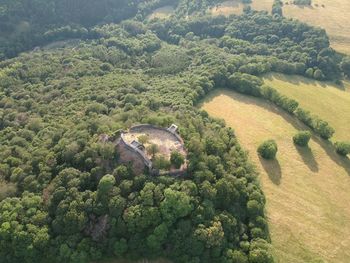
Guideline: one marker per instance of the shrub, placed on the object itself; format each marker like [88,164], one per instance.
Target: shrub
[302,2]
[345,66]
[268,149]
[143,138]
[323,129]
[302,138]
[177,159]
[342,148]
[160,163]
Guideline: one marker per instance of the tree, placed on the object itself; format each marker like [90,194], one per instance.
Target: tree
[120,247]
[318,74]
[212,236]
[143,138]
[152,149]
[259,252]
[345,66]
[342,148]
[323,128]
[177,159]
[268,149]
[302,138]
[161,163]
[309,73]
[106,184]
[277,8]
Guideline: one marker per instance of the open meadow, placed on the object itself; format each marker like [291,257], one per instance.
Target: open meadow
[306,189]
[330,102]
[332,15]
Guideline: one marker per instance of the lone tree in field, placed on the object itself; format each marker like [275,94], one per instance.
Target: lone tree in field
[268,149]
[177,159]
[342,148]
[302,138]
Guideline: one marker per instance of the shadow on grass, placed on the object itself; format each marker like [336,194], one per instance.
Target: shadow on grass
[308,158]
[329,148]
[273,169]
[291,119]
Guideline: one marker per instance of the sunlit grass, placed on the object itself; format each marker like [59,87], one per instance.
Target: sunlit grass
[330,102]
[162,12]
[306,189]
[332,15]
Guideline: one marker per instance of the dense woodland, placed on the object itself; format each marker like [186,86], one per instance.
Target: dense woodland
[65,198]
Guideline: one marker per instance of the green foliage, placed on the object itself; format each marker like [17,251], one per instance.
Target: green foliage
[302,138]
[177,159]
[318,125]
[143,139]
[342,148]
[259,252]
[268,149]
[345,66]
[62,110]
[161,163]
[274,96]
[277,7]
[245,83]
[302,2]
[152,149]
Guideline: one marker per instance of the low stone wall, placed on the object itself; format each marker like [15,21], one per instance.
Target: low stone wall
[142,127]
[139,160]
[147,162]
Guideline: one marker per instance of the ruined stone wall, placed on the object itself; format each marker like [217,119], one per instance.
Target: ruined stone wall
[128,155]
[142,127]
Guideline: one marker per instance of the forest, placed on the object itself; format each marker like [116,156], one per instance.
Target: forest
[64,197]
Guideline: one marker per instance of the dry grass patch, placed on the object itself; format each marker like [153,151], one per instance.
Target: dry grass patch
[330,102]
[236,7]
[227,8]
[307,190]
[332,15]
[162,12]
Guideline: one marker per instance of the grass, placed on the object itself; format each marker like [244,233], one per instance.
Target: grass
[307,190]
[332,15]
[162,12]
[330,102]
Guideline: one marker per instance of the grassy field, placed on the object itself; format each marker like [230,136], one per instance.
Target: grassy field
[330,102]
[307,190]
[332,15]
[236,7]
[162,12]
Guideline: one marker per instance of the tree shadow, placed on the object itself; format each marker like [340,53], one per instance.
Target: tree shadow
[308,158]
[329,148]
[291,119]
[273,169]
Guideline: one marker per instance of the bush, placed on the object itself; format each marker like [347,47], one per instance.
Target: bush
[323,129]
[268,149]
[342,148]
[177,159]
[302,138]
[161,163]
[318,125]
[302,2]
